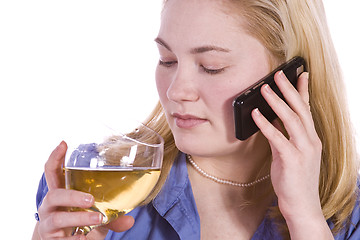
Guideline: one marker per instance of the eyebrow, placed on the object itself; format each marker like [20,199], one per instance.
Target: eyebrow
[162,43]
[202,49]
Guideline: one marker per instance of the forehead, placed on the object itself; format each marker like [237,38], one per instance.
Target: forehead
[199,20]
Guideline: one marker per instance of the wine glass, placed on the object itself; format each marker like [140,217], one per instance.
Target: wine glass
[119,169]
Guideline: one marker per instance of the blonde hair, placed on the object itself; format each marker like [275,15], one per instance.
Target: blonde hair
[299,28]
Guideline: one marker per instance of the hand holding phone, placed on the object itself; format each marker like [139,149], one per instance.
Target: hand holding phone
[251,98]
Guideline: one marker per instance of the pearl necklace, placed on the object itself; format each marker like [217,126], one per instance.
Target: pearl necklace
[224,181]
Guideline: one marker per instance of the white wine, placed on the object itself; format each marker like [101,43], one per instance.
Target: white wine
[116,191]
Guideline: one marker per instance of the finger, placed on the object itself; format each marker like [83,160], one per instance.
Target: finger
[295,99]
[62,220]
[291,120]
[292,96]
[64,198]
[274,136]
[303,86]
[53,167]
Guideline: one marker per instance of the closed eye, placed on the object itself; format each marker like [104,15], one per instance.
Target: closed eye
[167,63]
[212,71]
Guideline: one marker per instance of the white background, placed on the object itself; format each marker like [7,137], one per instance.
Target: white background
[63,61]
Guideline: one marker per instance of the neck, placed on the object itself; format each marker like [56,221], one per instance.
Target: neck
[251,161]
[225,181]
[240,208]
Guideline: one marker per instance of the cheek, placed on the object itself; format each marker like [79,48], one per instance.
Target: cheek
[220,99]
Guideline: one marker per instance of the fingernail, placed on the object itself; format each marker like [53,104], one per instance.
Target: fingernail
[306,75]
[256,111]
[282,75]
[267,88]
[88,198]
[96,217]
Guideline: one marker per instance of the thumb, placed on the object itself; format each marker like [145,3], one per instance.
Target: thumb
[54,169]
[121,224]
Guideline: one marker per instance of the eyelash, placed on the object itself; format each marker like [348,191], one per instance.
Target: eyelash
[212,71]
[167,64]
[206,70]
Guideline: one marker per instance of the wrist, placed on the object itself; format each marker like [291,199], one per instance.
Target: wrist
[306,221]
[313,226]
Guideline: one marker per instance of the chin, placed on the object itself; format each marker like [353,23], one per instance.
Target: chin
[199,147]
[190,145]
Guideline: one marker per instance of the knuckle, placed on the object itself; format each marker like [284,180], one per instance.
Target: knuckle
[314,147]
[270,130]
[51,196]
[75,197]
[305,107]
[276,133]
[56,220]
[293,119]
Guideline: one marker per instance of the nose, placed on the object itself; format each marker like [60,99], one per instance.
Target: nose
[183,87]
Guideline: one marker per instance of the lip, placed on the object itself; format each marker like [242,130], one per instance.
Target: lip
[187,121]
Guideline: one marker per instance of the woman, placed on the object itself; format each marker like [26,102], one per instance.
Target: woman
[209,52]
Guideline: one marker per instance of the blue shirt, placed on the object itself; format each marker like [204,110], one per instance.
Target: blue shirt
[173,213]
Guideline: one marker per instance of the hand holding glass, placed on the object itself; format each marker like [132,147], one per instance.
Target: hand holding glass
[119,170]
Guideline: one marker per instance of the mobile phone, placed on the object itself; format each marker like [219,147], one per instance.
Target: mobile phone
[251,98]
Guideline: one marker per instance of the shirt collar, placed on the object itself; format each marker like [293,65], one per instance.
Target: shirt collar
[174,186]
[176,202]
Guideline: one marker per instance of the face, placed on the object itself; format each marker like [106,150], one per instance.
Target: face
[206,60]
